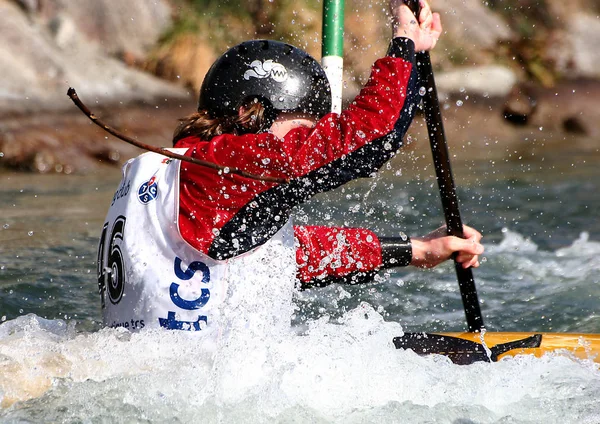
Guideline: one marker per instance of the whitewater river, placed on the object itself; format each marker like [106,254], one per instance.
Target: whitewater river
[541,272]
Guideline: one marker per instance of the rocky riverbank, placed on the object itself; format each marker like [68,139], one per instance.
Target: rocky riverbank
[476,127]
[68,142]
[501,88]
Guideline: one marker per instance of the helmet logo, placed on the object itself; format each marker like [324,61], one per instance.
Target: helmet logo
[266,69]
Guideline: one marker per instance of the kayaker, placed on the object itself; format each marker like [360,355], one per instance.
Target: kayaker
[178,234]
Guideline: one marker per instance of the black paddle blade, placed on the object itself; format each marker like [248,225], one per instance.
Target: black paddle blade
[460,351]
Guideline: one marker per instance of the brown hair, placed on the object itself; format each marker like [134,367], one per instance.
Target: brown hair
[253,119]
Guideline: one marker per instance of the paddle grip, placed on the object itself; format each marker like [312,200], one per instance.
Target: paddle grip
[414,6]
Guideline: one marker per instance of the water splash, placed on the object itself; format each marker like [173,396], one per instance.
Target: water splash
[334,371]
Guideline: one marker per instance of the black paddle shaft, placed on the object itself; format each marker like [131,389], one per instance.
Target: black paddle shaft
[441,161]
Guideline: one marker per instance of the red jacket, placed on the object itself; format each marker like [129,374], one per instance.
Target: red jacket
[224,215]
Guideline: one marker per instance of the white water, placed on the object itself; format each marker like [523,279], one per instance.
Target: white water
[342,370]
[338,372]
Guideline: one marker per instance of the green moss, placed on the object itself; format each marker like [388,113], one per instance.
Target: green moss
[223,22]
[184,24]
[217,7]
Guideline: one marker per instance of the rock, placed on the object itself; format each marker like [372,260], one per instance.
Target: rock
[97,47]
[485,81]
[114,25]
[29,6]
[44,53]
[68,142]
[572,106]
[49,45]
[584,30]
[472,24]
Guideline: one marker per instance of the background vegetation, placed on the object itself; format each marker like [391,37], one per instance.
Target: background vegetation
[204,28]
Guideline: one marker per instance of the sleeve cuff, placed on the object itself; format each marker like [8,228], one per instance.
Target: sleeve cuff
[402,47]
[396,251]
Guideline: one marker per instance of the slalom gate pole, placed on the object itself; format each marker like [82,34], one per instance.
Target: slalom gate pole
[332,51]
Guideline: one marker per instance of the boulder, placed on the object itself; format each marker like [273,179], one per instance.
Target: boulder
[484,81]
[571,107]
[53,44]
[472,25]
[584,34]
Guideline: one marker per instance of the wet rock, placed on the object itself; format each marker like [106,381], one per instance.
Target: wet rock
[572,107]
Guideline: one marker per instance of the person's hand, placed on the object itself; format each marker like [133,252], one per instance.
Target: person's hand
[424,32]
[437,247]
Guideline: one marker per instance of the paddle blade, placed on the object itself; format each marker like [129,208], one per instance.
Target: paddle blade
[460,351]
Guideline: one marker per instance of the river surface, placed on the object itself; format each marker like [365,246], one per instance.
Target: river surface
[540,272]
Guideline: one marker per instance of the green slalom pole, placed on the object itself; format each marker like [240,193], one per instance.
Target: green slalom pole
[332,53]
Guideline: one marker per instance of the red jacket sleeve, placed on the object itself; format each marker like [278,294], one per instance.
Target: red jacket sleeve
[335,252]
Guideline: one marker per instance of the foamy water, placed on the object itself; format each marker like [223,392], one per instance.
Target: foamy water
[344,371]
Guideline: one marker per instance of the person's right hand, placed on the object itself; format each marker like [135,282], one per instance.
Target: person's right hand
[437,247]
[424,33]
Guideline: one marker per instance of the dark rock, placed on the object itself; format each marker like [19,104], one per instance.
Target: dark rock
[572,106]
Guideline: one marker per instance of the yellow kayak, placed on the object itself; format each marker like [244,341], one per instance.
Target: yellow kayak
[467,348]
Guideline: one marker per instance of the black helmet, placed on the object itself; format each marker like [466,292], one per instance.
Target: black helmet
[282,77]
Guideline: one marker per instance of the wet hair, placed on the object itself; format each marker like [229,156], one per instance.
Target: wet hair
[253,120]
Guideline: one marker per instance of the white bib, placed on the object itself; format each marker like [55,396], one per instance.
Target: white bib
[149,276]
